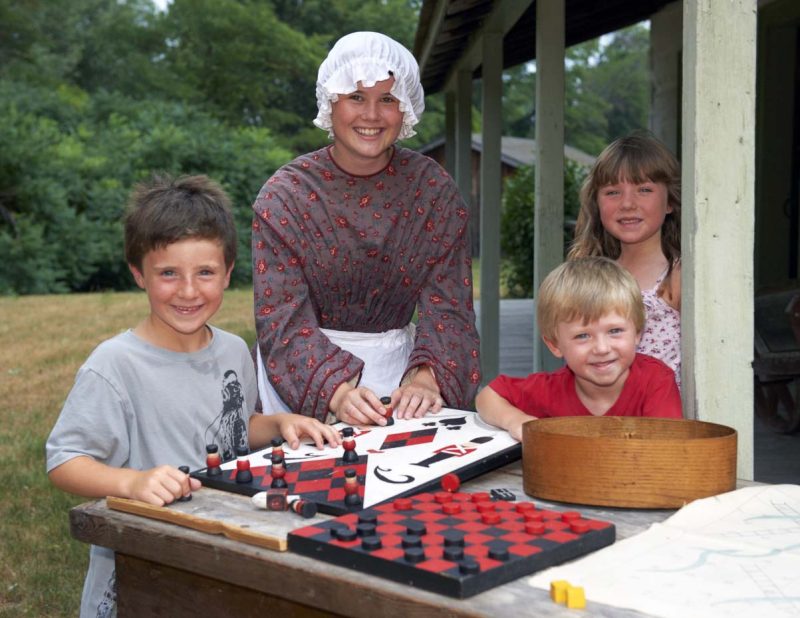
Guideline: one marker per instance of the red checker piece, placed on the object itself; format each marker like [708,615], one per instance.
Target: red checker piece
[484,507]
[522,507]
[451,483]
[481,496]
[490,518]
[570,516]
[534,527]
[451,508]
[403,504]
[579,526]
[443,497]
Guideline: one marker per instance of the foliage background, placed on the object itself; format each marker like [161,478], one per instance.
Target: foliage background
[96,95]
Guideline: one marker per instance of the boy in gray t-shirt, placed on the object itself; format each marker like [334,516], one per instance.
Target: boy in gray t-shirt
[151,398]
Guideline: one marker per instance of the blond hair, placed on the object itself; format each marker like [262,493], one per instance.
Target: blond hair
[587,288]
[637,158]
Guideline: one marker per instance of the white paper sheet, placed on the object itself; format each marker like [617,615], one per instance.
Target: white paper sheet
[733,555]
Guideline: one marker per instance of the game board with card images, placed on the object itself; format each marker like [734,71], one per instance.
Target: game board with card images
[397,460]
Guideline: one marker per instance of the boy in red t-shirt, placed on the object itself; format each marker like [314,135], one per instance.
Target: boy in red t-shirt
[590,313]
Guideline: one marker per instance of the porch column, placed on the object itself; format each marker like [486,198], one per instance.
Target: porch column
[719,41]
[491,189]
[548,220]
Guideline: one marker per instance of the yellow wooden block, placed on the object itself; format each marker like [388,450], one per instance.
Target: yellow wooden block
[576,599]
[558,590]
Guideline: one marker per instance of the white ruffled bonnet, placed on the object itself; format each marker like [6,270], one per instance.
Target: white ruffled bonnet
[370,57]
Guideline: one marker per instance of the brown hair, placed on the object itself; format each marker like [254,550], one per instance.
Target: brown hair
[636,158]
[587,288]
[165,210]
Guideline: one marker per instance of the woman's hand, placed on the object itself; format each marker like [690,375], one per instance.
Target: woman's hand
[418,396]
[357,406]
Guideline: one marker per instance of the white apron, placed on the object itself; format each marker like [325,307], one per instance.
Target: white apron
[385,357]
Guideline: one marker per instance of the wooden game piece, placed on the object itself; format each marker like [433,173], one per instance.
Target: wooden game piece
[534,527]
[371,543]
[365,529]
[277,499]
[443,497]
[277,447]
[213,460]
[558,590]
[187,497]
[349,444]
[579,526]
[304,508]
[351,497]
[402,504]
[278,472]
[451,508]
[410,540]
[387,405]
[243,474]
[490,519]
[522,507]
[414,555]
[451,483]
[576,598]
[416,528]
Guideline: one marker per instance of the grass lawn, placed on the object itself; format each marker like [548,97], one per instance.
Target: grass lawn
[43,342]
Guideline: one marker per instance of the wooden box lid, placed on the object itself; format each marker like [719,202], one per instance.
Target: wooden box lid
[627,461]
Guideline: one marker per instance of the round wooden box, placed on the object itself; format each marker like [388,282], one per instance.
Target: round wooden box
[627,461]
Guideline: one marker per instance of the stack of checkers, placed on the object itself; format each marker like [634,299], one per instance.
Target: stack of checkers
[453,543]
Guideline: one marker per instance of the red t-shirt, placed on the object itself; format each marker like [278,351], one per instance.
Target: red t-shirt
[649,390]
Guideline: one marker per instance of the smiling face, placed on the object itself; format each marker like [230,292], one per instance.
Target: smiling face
[365,125]
[599,352]
[184,282]
[633,212]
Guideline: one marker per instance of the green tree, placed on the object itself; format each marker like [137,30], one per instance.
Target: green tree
[68,162]
[516,224]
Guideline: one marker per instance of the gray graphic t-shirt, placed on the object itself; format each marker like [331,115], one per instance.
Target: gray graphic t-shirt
[134,405]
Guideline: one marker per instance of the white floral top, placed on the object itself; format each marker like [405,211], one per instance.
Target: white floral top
[661,337]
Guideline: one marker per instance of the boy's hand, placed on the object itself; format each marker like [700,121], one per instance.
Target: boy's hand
[294,426]
[161,485]
[515,428]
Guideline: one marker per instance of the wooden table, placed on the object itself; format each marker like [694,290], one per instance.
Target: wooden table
[167,570]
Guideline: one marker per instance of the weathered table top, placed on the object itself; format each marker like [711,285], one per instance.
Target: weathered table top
[317,584]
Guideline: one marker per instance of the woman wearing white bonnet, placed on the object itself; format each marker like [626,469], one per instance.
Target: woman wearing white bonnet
[350,240]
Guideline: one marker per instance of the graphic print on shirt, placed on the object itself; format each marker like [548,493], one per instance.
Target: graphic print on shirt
[229,429]
[108,605]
